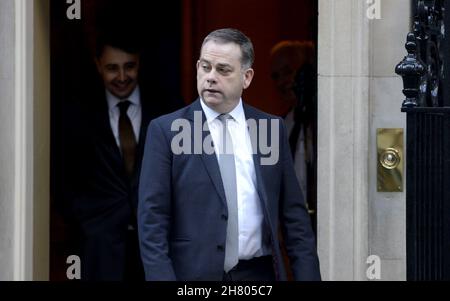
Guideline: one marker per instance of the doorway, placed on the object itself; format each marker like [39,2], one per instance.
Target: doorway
[171,38]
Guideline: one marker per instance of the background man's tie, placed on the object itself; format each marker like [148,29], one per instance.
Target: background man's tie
[228,173]
[126,138]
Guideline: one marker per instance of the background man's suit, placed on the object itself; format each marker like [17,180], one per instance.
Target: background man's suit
[182,214]
[102,198]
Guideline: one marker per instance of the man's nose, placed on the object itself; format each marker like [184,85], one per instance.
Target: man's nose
[122,75]
[211,77]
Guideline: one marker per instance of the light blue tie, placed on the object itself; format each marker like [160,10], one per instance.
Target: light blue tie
[228,172]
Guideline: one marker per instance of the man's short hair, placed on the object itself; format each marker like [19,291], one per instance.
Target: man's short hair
[305,50]
[124,40]
[231,35]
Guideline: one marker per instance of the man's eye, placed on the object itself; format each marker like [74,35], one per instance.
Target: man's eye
[206,67]
[223,70]
[130,66]
[111,68]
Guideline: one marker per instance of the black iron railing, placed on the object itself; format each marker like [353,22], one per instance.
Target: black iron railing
[428,144]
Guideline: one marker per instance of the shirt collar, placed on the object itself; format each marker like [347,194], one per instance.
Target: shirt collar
[238,113]
[134,98]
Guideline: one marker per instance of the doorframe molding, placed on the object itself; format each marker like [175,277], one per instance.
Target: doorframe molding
[343,137]
[23,134]
[31,241]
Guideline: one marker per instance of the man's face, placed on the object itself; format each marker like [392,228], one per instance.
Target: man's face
[220,76]
[283,69]
[119,71]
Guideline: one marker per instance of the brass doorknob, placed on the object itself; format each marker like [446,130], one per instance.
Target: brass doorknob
[390,158]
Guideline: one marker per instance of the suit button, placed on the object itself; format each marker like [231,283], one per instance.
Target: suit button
[220,248]
[224,217]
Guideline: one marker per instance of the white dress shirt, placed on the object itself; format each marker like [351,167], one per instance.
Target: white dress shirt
[250,213]
[134,113]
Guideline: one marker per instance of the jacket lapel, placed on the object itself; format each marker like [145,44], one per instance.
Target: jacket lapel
[100,118]
[250,113]
[209,161]
[146,117]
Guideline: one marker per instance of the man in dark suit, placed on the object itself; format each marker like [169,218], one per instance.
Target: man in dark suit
[104,144]
[210,200]
[295,81]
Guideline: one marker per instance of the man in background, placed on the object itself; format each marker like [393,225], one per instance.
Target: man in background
[104,137]
[295,80]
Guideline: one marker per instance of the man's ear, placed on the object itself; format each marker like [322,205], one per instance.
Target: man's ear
[248,77]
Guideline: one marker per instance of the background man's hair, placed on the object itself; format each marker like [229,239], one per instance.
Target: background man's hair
[305,50]
[122,39]
[231,35]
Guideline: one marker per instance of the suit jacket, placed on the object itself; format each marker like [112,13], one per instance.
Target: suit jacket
[182,213]
[101,198]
